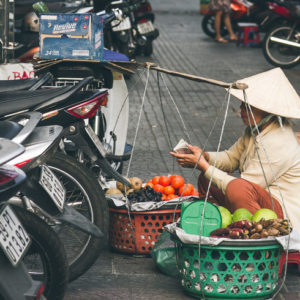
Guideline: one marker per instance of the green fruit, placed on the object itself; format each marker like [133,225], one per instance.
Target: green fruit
[241,214]
[265,213]
[226,216]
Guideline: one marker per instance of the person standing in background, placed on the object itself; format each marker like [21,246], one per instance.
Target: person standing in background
[222,7]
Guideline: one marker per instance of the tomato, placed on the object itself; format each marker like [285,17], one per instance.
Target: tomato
[188,190]
[168,190]
[164,180]
[171,196]
[177,181]
[159,188]
[172,176]
[155,180]
[163,197]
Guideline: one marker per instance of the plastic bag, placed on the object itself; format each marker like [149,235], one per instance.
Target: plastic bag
[164,255]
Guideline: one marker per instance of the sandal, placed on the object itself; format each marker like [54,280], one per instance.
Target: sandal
[233,40]
[221,40]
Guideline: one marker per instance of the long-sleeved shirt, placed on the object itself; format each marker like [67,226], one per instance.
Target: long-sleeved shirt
[278,152]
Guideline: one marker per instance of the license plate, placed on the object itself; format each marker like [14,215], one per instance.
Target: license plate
[53,187]
[146,27]
[14,239]
[123,25]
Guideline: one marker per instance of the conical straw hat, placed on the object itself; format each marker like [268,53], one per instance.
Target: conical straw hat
[272,92]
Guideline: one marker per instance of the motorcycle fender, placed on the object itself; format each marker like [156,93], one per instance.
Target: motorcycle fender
[33,190]
[73,217]
[39,146]
[15,283]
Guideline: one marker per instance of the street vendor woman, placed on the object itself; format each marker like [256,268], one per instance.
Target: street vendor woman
[268,159]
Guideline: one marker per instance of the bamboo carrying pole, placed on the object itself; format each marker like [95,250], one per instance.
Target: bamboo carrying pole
[235,85]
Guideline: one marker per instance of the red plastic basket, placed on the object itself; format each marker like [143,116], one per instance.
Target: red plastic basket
[147,227]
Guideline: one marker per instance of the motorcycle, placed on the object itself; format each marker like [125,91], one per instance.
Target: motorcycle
[60,108]
[253,11]
[134,34]
[281,45]
[60,209]
[26,240]
[142,20]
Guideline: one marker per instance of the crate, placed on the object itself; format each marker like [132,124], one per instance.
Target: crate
[229,272]
[147,227]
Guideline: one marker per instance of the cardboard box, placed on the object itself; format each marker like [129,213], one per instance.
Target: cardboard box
[77,36]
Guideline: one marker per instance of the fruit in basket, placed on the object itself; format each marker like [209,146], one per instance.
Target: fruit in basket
[170,197]
[121,186]
[144,195]
[168,190]
[241,214]
[129,191]
[136,183]
[226,216]
[164,180]
[113,191]
[155,180]
[186,190]
[158,188]
[265,213]
[177,181]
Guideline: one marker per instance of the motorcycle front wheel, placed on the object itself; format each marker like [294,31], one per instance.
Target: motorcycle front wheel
[83,193]
[277,51]
[46,259]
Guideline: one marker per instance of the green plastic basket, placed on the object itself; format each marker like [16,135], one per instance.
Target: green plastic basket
[229,272]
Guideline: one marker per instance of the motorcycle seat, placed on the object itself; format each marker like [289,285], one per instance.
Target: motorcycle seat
[9,129]
[14,102]
[23,84]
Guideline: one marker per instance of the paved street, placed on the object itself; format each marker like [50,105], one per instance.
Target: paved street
[181,46]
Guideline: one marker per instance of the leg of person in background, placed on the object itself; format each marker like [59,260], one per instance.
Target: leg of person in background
[227,21]
[218,19]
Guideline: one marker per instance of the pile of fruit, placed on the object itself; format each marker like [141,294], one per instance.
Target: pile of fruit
[172,187]
[159,188]
[243,225]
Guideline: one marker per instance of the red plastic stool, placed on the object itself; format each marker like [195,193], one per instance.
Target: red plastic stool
[293,258]
[248,34]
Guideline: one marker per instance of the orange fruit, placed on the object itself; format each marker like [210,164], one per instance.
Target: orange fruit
[168,190]
[163,197]
[186,190]
[177,181]
[164,180]
[172,176]
[159,188]
[155,180]
[171,196]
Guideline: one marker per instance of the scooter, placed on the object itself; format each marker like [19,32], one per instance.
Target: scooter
[281,45]
[21,232]
[241,11]
[45,195]
[142,20]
